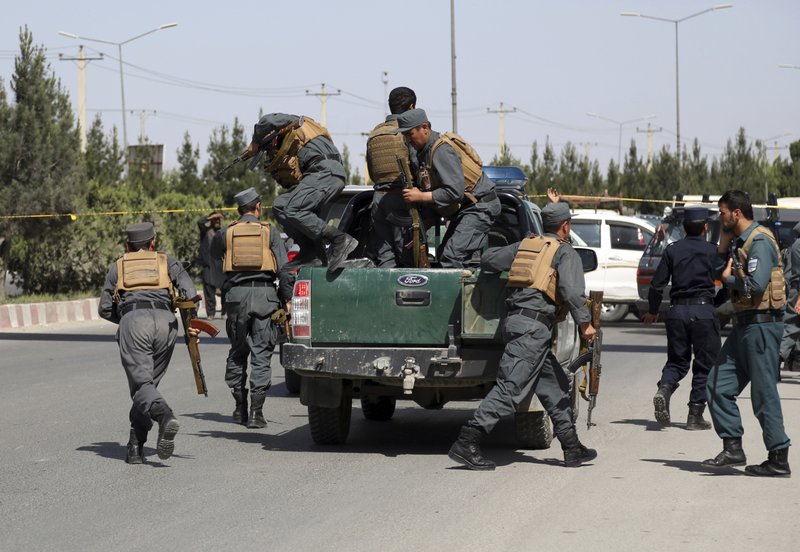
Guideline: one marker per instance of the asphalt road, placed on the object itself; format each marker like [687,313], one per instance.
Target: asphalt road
[64,484]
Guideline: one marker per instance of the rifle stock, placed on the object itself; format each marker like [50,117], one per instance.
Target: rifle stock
[187,311]
[420,246]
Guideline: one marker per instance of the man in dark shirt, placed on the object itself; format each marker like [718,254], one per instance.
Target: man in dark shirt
[691,325]
[213,278]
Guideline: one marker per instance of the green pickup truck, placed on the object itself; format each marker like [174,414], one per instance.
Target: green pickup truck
[428,335]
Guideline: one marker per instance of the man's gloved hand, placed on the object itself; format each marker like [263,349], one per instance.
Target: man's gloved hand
[280,316]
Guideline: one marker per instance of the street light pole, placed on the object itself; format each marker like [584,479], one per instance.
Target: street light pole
[677,86]
[621,124]
[121,72]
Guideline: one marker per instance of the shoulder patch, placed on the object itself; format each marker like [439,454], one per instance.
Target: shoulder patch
[752,265]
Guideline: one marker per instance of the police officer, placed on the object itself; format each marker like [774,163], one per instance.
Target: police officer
[691,325]
[749,262]
[528,364]
[452,182]
[790,355]
[254,261]
[391,220]
[308,165]
[138,295]
[212,276]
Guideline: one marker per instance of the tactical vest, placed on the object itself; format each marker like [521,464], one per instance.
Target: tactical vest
[774,296]
[470,162]
[533,268]
[284,166]
[137,270]
[247,248]
[384,145]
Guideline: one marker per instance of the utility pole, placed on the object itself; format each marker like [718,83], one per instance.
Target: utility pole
[502,116]
[142,114]
[649,130]
[82,60]
[453,62]
[323,100]
[385,79]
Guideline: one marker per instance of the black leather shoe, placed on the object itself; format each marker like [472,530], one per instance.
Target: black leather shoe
[732,455]
[256,419]
[777,465]
[575,453]
[341,245]
[135,449]
[695,420]
[240,410]
[168,427]
[661,404]
[467,450]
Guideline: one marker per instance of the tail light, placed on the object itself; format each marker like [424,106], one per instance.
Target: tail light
[644,276]
[301,309]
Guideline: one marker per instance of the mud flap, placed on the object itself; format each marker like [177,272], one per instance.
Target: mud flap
[323,392]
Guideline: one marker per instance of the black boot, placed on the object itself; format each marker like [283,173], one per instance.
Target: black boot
[661,404]
[575,453]
[341,245]
[732,455]
[168,427]
[240,410]
[467,450]
[695,420]
[777,465]
[257,398]
[136,442]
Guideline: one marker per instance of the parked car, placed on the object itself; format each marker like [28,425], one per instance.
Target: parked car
[618,241]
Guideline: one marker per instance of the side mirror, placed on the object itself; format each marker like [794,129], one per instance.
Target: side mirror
[588,259]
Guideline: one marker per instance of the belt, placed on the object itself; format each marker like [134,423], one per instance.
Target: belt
[137,305]
[253,283]
[692,301]
[756,318]
[533,315]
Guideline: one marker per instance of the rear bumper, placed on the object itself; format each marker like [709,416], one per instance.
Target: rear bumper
[429,366]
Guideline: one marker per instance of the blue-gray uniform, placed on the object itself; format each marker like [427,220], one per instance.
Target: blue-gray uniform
[691,325]
[213,278]
[750,354]
[528,363]
[146,336]
[250,299]
[297,210]
[391,222]
[790,352]
[468,227]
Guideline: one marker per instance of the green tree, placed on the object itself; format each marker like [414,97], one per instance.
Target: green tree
[104,157]
[506,159]
[188,181]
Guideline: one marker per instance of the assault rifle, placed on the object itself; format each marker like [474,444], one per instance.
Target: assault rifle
[187,309]
[596,300]
[419,247]
[263,145]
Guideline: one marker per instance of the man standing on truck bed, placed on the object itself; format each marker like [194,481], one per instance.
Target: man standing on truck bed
[450,177]
[749,261]
[692,327]
[301,157]
[254,255]
[545,282]
[391,220]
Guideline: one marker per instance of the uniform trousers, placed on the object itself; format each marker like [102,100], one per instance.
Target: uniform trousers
[691,329]
[466,232]
[298,210]
[749,356]
[391,230]
[252,335]
[528,365]
[146,339]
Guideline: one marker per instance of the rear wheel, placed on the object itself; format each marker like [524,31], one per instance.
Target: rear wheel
[533,430]
[330,426]
[613,312]
[378,409]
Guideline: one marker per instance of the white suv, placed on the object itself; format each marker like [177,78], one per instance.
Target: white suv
[619,242]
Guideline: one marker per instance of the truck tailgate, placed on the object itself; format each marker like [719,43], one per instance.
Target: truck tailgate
[365,306]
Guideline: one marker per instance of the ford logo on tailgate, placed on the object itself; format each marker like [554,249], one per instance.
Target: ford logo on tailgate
[412,280]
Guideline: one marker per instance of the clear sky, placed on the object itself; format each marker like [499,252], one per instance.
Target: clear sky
[553,61]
